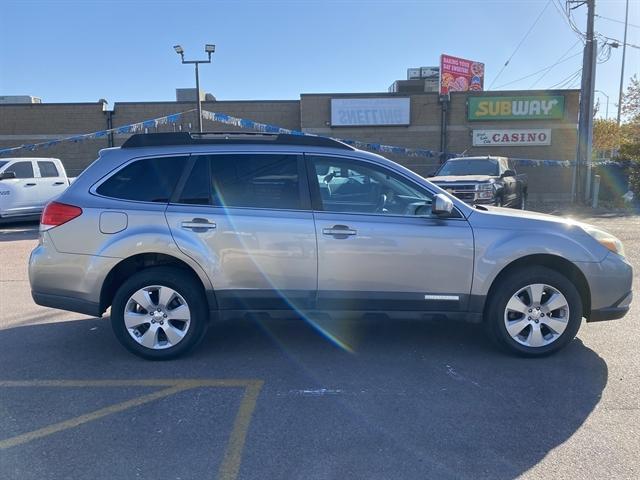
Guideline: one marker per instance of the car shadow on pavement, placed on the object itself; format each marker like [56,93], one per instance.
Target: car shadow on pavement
[376,399]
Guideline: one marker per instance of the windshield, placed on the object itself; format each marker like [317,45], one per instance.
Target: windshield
[3,163]
[470,167]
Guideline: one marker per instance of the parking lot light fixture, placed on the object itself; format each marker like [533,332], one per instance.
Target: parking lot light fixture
[209,49]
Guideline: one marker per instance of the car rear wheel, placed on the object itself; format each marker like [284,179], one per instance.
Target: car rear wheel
[533,312]
[159,313]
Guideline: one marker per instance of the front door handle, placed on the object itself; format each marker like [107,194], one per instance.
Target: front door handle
[29,184]
[58,183]
[198,225]
[339,231]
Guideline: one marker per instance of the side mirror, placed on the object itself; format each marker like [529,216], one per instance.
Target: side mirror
[7,175]
[442,205]
[509,173]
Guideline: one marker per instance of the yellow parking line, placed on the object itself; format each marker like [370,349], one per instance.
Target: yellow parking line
[87,417]
[154,382]
[233,455]
[233,452]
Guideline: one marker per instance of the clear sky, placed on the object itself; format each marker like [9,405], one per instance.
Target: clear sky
[83,50]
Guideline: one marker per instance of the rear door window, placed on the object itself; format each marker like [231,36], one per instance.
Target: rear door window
[197,189]
[21,169]
[48,169]
[247,180]
[146,180]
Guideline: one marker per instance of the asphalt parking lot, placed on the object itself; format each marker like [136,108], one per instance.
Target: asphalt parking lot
[279,400]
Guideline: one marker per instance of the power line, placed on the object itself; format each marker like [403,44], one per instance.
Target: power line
[560,60]
[567,80]
[617,21]
[538,71]
[618,42]
[520,44]
[565,13]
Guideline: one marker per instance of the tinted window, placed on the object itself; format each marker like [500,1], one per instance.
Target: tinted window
[353,187]
[148,180]
[470,167]
[197,189]
[21,169]
[260,181]
[2,164]
[48,169]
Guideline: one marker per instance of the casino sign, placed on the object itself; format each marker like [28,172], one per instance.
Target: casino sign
[526,137]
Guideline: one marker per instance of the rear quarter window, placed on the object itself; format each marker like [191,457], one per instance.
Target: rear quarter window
[48,169]
[146,180]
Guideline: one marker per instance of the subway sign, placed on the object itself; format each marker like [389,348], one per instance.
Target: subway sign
[521,107]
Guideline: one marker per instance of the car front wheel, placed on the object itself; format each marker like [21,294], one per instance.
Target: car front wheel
[534,311]
[159,313]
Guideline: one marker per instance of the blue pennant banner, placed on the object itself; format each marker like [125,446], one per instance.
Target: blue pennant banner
[132,128]
[266,128]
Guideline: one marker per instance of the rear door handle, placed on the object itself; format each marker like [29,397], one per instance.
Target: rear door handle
[29,184]
[58,183]
[339,231]
[198,225]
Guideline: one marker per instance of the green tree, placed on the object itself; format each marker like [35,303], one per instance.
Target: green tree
[606,134]
[630,133]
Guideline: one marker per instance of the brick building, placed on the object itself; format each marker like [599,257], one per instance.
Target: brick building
[519,124]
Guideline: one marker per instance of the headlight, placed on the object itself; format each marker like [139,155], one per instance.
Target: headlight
[485,191]
[605,239]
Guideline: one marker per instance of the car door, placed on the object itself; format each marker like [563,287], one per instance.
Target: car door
[246,219]
[19,194]
[50,183]
[379,248]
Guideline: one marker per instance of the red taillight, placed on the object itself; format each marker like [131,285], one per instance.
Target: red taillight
[56,213]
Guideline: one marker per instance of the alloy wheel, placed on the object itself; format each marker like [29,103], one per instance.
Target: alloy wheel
[157,317]
[536,315]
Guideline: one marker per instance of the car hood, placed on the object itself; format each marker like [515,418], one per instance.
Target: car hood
[525,216]
[462,179]
[504,223]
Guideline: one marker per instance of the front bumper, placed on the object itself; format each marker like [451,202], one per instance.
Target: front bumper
[610,283]
[486,201]
[614,312]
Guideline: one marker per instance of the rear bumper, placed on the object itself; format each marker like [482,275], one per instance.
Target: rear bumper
[67,281]
[67,303]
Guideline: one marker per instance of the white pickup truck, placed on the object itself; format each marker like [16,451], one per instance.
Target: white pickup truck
[28,184]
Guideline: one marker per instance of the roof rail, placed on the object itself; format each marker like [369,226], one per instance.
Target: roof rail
[229,138]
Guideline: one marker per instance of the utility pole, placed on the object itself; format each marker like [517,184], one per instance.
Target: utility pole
[585,121]
[624,51]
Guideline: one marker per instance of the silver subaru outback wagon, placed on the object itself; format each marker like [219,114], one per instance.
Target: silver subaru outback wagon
[172,231]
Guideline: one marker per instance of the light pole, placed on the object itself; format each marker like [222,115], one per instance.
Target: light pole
[606,115]
[624,51]
[209,49]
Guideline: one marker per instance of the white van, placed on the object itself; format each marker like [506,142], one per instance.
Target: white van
[28,184]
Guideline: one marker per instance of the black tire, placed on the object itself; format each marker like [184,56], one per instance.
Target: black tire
[186,286]
[523,201]
[508,286]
